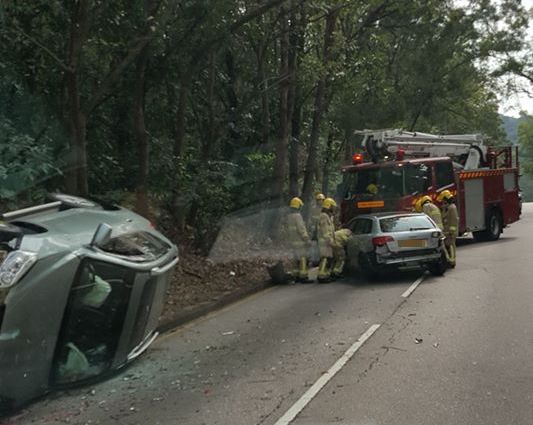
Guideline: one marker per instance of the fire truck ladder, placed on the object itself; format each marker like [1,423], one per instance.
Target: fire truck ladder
[383,143]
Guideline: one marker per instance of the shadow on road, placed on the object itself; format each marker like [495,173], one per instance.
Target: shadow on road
[390,279]
[471,241]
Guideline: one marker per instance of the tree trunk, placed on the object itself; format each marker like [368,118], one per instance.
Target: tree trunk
[179,123]
[209,144]
[77,181]
[311,164]
[326,164]
[139,126]
[296,38]
[262,85]
[139,123]
[280,169]
[294,158]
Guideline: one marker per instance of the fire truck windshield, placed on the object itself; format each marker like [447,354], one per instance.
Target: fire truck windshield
[387,181]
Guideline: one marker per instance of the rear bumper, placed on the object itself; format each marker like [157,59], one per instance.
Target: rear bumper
[408,260]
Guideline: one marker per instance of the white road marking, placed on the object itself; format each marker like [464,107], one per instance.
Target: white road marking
[304,400]
[413,286]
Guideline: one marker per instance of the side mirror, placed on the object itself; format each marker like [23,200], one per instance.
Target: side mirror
[102,235]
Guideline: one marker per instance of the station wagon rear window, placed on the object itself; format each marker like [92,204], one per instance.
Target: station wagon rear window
[137,246]
[405,223]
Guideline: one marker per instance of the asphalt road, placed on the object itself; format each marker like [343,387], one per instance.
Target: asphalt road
[455,350]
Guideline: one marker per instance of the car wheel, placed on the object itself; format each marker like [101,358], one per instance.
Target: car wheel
[494,224]
[368,267]
[438,268]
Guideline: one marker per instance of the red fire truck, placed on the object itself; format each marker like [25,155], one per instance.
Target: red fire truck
[397,167]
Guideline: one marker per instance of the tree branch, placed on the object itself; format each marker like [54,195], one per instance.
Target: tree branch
[113,76]
[254,14]
[62,64]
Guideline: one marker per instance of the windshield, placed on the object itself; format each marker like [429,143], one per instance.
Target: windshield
[389,181]
[138,246]
[405,223]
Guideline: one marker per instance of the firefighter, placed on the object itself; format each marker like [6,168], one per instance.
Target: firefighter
[450,219]
[372,189]
[426,205]
[299,241]
[339,251]
[326,239]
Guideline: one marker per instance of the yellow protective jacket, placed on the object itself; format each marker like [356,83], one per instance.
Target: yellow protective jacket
[451,220]
[297,235]
[326,235]
[434,213]
[341,237]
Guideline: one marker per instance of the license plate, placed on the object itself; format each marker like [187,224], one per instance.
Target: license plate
[413,243]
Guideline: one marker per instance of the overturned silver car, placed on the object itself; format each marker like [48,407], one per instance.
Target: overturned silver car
[81,292]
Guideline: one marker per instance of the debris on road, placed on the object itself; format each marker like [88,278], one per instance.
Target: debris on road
[228,333]
[418,340]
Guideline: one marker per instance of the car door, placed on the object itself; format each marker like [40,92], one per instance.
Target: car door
[360,241]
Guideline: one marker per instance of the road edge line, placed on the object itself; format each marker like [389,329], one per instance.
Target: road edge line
[412,288]
[304,400]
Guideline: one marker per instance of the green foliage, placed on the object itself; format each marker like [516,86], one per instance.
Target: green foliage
[27,163]
[24,164]
[211,96]
[525,139]
[252,179]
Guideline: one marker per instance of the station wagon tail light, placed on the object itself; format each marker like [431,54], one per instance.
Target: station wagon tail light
[382,240]
[15,265]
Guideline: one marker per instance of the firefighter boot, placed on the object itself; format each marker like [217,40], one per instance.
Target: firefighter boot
[303,272]
[324,275]
[338,267]
[294,271]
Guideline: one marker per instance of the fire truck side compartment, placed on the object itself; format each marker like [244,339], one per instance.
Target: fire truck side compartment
[473,196]
[511,204]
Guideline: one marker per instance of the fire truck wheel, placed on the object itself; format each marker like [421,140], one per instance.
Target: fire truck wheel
[494,227]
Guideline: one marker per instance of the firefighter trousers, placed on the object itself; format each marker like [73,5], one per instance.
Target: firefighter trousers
[324,269]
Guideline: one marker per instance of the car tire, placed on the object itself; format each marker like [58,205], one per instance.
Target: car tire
[438,268]
[494,228]
[368,267]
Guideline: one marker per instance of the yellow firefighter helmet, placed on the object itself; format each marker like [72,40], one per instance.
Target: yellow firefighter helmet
[372,188]
[329,203]
[296,203]
[319,197]
[444,195]
[421,201]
